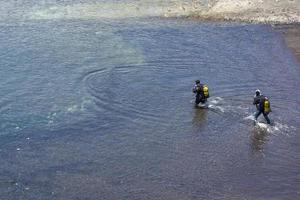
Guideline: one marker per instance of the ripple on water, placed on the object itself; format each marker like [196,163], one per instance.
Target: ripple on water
[126,91]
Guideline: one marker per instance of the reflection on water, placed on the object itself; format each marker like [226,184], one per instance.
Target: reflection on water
[258,138]
[200,118]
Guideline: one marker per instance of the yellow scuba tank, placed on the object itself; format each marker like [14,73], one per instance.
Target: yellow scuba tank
[267,105]
[205,91]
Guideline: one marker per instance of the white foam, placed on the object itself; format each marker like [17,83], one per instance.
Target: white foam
[72,109]
[277,128]
[218,108]
[262,125]
[215,100]
[202,105]
[250,117]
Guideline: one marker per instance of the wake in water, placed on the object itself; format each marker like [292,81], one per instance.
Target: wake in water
[213,103]
[216,104]
[275,127]
[219,106]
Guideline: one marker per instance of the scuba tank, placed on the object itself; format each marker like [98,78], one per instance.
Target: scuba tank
[205,91]
[266,105]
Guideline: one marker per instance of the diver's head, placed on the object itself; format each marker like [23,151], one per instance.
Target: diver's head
[257,92]
[197,81]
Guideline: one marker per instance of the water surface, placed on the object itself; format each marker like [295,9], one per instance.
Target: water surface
[103,109]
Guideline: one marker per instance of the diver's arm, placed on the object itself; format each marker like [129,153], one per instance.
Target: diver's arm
[255,101]
[194,89]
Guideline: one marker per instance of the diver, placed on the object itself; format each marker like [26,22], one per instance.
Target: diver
[201,91]
[262,104]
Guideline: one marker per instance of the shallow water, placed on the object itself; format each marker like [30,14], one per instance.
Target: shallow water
[103,109]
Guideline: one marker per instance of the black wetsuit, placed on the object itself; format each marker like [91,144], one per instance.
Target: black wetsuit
[198,90]
[259,102]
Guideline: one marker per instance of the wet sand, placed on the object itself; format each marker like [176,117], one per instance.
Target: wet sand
[291,33]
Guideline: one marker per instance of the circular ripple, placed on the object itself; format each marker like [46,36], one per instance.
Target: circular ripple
[129,91]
